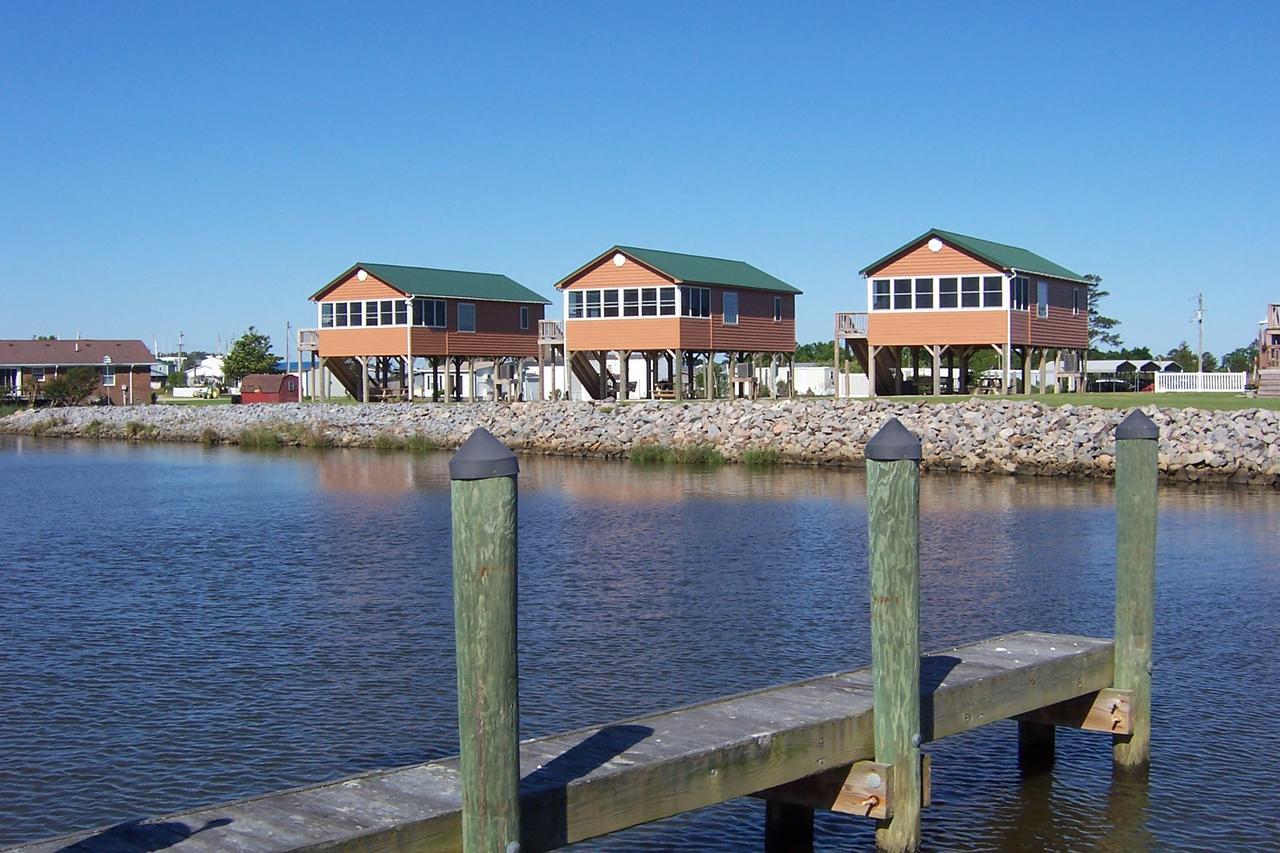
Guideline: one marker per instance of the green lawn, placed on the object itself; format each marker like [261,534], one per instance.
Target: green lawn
[1188,400]
[194,401]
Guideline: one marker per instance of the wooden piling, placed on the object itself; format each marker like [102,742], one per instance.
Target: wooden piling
[788,827]
[893,521]
[1136,472]
[483,474]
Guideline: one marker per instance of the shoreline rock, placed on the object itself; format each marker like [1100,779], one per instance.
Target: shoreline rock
[1007,436]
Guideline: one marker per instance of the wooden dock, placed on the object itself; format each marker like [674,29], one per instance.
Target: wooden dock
[594,781]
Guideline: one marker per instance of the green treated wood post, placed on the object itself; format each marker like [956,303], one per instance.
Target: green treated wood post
[484,491]
[893,520]
[1136,474]
[788,828]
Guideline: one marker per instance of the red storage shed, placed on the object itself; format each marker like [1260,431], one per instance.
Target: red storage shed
[269,388]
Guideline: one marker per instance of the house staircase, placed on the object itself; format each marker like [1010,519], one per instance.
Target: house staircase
[1269,382]
[349,373]
[590,377]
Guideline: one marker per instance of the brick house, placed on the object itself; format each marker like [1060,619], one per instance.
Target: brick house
[124,367]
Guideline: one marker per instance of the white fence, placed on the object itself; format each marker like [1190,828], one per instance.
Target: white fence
[1232,383]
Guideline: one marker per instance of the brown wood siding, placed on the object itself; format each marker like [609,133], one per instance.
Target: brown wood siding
[910,328]
[920,261]
[605,274]
[631,333]
[353,289]
[497,332]
[756,330]
[1061,328]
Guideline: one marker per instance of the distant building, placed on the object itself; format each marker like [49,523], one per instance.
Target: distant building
[947,296]
[124,367]
[269,388]
[207,372]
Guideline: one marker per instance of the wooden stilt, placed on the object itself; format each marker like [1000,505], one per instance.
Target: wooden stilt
[677,376]
[936,352]
[711,376]
[624,374]
[1035,747]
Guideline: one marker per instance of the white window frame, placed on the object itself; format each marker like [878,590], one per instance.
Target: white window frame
[777,309]
[472,307]
[108,376]
[892,294]
[38,374]
[1042,298]
[725,298]
[1075,301]
[524,318]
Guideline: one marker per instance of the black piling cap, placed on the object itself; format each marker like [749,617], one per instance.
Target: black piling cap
[482,457]
[1137,425]
[893,442]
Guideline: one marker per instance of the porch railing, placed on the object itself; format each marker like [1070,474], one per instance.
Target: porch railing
[550,331]
[850,324]
[308,340]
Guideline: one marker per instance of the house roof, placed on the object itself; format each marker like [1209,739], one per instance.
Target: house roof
[1002,255]
[699,269]
[263,383]
[72,352]
[455,284]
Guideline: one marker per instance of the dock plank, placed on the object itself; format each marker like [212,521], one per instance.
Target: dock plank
[590,782]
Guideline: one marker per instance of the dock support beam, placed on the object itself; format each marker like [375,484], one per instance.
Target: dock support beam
[1136,472]
[788,827]
[483,474]
[893,523]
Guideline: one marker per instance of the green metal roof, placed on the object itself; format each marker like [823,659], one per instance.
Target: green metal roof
[1000,255]
[697,268]
[424,281]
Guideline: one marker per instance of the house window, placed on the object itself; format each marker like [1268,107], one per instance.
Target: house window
[402,313]
[992,291]
[631,302]
[108,375]
[948,293]
[466,317]
[593,303]
[924,293]
[524,317]
[648,302]
[610,305]
[880,294]
[1021,293]
[730,308]
[429,312]
[419,312]
[777,309]
[667,301]
[969,295]
[697,301]
[901,293]
[339,313]
[326,315]
[387,313]
[370,310]
[575,305]
[1042,302]
[1075,300]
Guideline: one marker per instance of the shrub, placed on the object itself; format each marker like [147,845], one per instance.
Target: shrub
[73,387]
[652,454]
[43,425]
[259,437]
[700,454]
[385,441]
[419,443]
[605,408]
[93,428]
[761,456]
[209,438]
[132,429]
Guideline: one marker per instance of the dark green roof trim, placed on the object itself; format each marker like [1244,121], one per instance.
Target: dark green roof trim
[447,284]
[695,269]
[1001,255]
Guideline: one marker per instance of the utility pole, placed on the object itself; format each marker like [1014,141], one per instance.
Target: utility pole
[288,330]
[1199,333]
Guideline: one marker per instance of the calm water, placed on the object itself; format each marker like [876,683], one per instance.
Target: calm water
[181,625]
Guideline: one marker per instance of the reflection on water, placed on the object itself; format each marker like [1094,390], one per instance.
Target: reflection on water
[183,625]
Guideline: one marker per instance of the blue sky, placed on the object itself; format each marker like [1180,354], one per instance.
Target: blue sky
[205,167]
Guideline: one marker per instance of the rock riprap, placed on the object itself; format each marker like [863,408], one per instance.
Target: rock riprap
[992,436]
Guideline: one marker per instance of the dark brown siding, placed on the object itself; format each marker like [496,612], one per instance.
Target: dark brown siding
[1061,328]
[756,330]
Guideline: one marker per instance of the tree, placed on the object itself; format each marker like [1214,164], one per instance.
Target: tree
[250,354]
[818,352]
[71,388]
[1102,329]
[1241,360]
[1208,362]
[1183,356]
[44,337]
